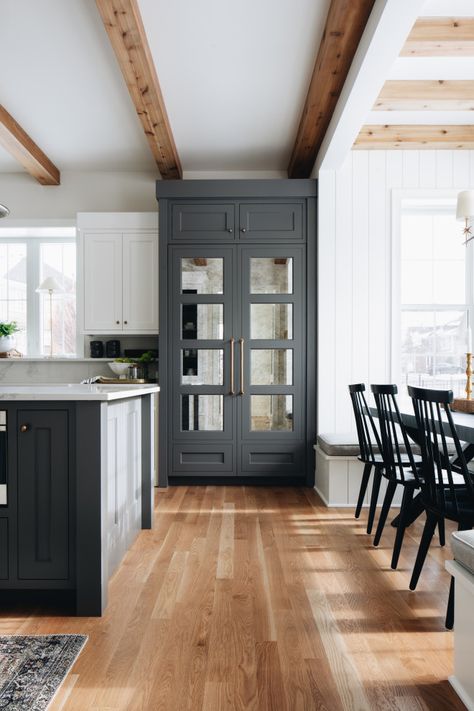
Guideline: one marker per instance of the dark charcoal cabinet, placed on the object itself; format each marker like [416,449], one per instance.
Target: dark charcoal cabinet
[237,341]
[3,548]
[43,490]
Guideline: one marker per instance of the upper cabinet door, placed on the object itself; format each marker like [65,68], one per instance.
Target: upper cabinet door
[140,282]
[102,282]
[271,220]
[209,221]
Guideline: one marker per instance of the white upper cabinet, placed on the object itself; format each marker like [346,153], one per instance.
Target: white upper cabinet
[119,253]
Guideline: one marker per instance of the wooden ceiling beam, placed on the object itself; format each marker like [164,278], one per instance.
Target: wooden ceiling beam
[19,144]
[124,25]
[440,37]
[415,137]
[416,95]
[345,24]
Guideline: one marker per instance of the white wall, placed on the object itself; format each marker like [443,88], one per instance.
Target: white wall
[78,192]
[354,265]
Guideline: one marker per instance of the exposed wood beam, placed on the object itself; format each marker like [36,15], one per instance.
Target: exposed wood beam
[127,35]
[440,37]
[345,24]
[17,142]
[387,29]
[412,95]
[415,137]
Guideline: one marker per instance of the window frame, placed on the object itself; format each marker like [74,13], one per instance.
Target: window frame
[33,298]
[398,196]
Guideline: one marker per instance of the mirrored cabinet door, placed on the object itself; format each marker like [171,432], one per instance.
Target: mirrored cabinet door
[3,458]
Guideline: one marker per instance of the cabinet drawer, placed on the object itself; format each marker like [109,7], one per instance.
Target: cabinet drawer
[272,220]
[3,548]
[211,221]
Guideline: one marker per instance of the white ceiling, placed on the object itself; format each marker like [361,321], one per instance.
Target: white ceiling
[234,76]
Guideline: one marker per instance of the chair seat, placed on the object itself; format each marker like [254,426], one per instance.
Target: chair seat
[462,543]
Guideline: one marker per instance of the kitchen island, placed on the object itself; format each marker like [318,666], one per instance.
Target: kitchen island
[78,470]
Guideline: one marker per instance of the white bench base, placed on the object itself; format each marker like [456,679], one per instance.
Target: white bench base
[462,680]
[337,481]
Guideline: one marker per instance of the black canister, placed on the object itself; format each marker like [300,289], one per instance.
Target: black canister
[112,349]
[97,349]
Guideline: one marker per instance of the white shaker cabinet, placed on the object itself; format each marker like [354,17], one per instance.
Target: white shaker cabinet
[119,253]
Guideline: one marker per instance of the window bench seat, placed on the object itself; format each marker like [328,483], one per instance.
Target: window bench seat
[462,568]
[339,472]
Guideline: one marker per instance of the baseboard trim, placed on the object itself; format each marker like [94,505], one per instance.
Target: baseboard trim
[459,689]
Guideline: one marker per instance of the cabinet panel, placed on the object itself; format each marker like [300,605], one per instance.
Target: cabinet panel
[43,489]
[210,221]
[102,282]
[3,548]
[271,221]
[140,282]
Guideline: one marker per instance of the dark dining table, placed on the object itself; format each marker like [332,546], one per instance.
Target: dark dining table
[465,428]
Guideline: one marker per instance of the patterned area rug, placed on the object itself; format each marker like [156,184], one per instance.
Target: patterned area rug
[33,668]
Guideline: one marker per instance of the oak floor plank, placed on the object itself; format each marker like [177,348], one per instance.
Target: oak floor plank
[259,599]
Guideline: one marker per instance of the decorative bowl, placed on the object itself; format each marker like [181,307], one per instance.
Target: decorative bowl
[120,369]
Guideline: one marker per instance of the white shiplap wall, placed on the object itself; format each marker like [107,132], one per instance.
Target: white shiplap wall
[355,265]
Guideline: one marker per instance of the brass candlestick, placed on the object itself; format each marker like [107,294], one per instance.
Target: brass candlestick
[468,375]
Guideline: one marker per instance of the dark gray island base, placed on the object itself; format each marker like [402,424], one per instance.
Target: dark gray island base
[79,488]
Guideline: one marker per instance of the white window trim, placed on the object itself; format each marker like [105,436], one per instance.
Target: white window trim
[32,277]
[398,195]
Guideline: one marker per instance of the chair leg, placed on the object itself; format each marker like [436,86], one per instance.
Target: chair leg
[363,488]
[450,611]
[441,532]
[374,498]
[387,502]
[405,509]
[428,532]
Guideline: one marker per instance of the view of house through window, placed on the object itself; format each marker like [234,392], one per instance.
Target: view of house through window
[27,257]
[434,285]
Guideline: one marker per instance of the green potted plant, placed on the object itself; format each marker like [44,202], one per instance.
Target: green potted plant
[7,335]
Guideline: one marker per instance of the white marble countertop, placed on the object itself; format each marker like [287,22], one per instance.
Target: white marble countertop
[75,391]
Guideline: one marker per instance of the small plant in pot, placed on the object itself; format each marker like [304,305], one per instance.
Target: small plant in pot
[7,335]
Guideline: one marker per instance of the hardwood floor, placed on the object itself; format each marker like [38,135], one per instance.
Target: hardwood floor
[257,599]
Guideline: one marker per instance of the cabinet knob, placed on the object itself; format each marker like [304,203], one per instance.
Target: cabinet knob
[243,229]
[24,428]
[117,322]
[125,322]
[229,229]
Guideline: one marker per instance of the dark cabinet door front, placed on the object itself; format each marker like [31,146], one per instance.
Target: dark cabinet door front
[211,221]
[271,220]
[3,548]
[43,495]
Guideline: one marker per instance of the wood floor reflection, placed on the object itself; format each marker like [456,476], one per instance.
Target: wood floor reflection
[257,599]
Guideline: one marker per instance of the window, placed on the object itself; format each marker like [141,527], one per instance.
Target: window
[27,257]
[435,280]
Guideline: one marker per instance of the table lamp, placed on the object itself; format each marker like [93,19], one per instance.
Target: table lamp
[50,286]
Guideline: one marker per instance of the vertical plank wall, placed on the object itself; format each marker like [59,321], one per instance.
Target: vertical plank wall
[355,265]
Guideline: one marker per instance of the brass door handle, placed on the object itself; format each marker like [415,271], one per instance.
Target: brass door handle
[232,367]
[24,428]
[241,341]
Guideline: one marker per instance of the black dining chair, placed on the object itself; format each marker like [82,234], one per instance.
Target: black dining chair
[370,448]
[400,464]
[447,489]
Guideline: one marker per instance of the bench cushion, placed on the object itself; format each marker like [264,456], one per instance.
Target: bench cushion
[342,444]
[462,543]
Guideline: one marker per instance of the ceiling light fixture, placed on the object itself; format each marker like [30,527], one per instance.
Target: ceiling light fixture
[465,211]
[4,211]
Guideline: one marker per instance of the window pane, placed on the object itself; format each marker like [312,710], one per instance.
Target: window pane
[202,412]
[433,349]
[273,366]
[271,321]
[271,412]
[13,305]
[271,275]
[202,275]
[202,321]
[202,366]
[58,260]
